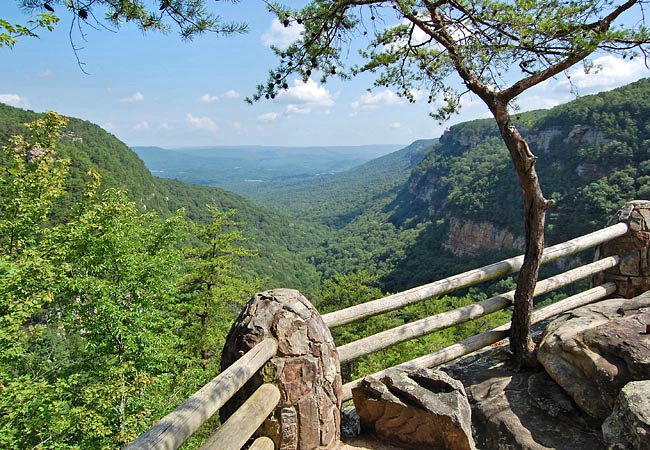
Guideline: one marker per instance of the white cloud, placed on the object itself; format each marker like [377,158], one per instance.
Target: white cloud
[136,97]
[269,117]
[282,36]
[207,98]
[165,126]
[142,125]
[372,100]
[14,100]
[231,94]
[310,93]
[395,125]
[295,109]
[202,123]
[611,72]
[47,73]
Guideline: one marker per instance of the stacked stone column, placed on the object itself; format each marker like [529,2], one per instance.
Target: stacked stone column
[306,369]
[632,275]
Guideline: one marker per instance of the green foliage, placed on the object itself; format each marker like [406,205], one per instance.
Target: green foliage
[214,290]
[12,32]
[97,314]
[592,158]
[280,242]
[29,183]
[190,17]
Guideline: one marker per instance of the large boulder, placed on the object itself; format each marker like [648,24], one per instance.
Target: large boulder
[595,350]
[628,427]
[417,409]
[526,411]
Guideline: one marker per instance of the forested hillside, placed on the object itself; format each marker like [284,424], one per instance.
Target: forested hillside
[594,154]
[461,202]
[279,241]
[337,199]
[114,307]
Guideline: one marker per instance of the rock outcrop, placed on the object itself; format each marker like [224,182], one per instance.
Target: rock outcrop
[305,369]
[595,350]
[628,427]
[469,238]
[526,411]
[418,409]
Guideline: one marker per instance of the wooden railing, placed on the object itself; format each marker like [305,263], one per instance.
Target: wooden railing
[374,343]
[171,431]
[469,278]
[176,427]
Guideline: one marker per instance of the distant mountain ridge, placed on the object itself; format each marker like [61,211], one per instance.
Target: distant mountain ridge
[242,168]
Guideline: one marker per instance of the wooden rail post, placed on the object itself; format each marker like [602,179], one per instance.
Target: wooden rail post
[305,369]
[632,275]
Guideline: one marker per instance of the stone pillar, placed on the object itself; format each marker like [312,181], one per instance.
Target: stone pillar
[306,369]
[632,275]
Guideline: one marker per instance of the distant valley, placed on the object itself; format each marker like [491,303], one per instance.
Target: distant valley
[406,215]
[242,168]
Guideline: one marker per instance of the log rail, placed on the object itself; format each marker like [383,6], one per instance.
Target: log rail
[176,427]
[171,431]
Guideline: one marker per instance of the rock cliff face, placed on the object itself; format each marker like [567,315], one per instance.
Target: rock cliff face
[469,238]
[484,224]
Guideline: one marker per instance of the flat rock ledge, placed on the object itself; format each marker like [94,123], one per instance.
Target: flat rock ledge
[416,409]
[526,411]
[595,350]
[628,427]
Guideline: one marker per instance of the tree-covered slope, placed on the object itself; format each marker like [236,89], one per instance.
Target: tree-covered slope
[337,199]
[281,242]
[461,206]
[593,156]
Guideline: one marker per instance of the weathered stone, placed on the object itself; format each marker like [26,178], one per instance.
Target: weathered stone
[289,424]
[421,408]
[593,351]
[628,427]
[633,250]
[468,238]
[305,369]
[645,213]
[526,411]
[327,431]
[292,335]
[644,267]
[298,377]
[309,423]
[317,330]
[629,264]
[549,396]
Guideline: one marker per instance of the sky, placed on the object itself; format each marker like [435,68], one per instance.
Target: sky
[160,90]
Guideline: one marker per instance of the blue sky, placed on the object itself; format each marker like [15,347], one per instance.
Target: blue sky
[156,89]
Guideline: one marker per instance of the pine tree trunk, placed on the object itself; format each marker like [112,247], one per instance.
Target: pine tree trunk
[535,205]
